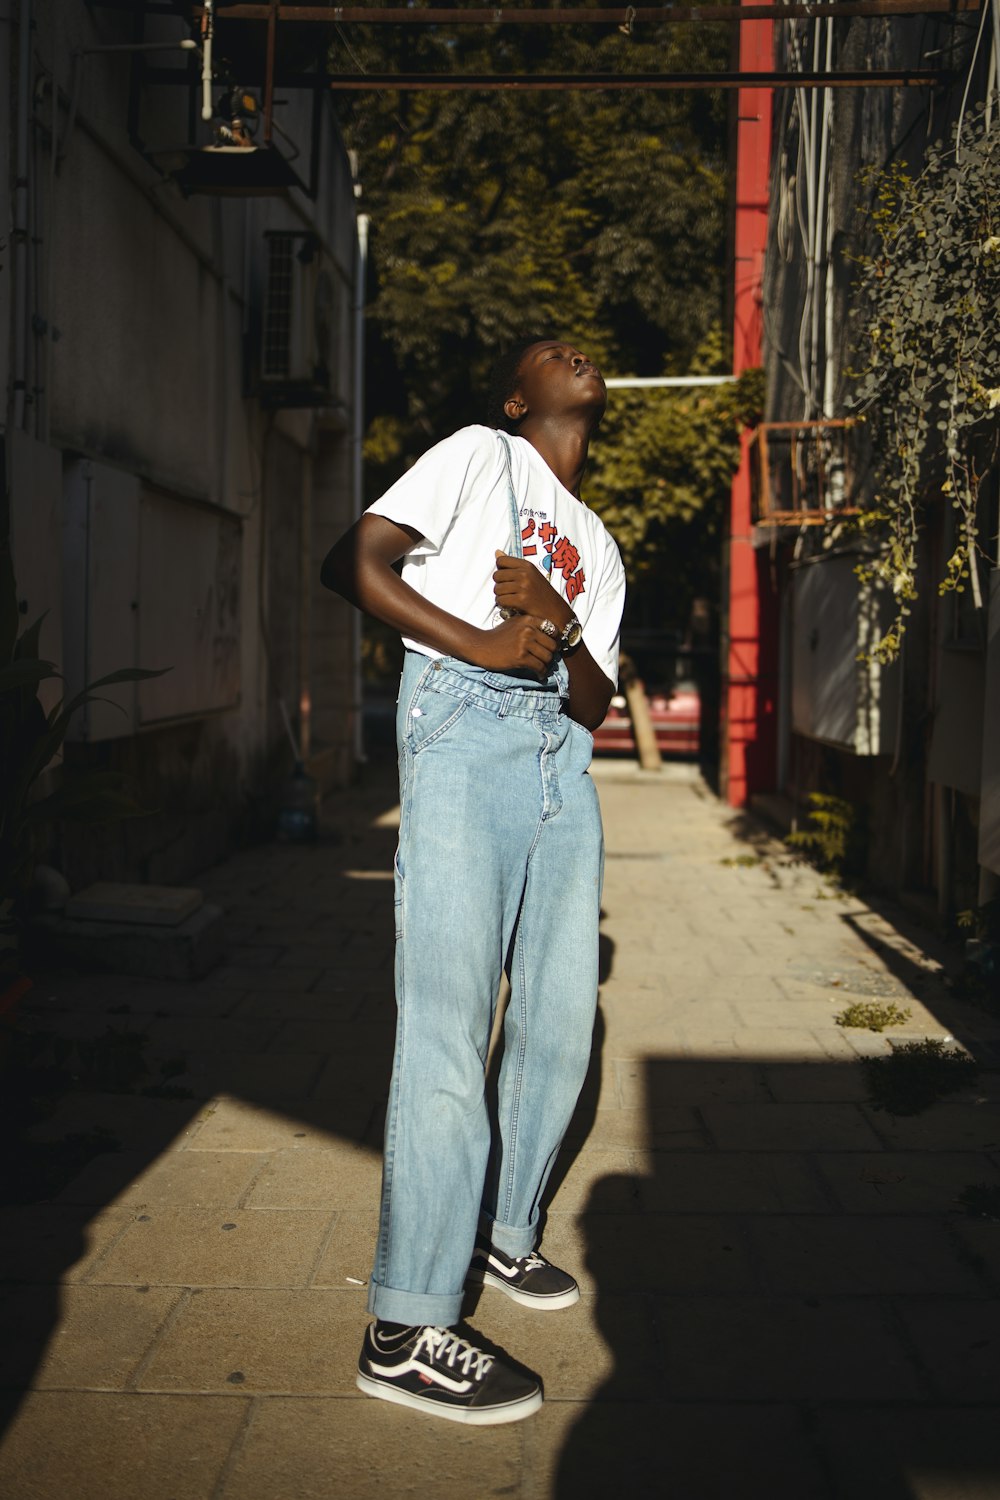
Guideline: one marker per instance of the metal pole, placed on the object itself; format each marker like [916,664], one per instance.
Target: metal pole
[398,15]
[532,82]
[664,382]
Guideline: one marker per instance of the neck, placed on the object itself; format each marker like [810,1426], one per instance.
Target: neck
[563,444]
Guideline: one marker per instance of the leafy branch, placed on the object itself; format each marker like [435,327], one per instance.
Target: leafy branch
[925,371]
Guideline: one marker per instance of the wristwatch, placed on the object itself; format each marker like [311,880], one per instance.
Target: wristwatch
[572,634]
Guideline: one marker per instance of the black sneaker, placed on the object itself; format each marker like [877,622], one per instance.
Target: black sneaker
[531,1279]
[436,1371]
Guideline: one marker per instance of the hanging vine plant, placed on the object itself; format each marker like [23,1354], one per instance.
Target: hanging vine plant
[926,358]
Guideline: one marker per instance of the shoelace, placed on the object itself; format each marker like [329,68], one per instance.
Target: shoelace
[532,1262]
[442,1344]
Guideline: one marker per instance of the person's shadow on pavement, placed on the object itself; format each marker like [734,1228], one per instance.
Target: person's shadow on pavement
[779,1330]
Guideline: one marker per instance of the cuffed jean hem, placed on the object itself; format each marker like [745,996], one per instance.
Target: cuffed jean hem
[441,1310]
[512,1240]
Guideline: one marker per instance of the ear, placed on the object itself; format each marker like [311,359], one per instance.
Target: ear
[515,408]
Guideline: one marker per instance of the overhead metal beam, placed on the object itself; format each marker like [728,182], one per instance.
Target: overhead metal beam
[399,15]
[528,82]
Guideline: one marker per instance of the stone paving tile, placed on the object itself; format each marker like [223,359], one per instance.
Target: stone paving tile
[980,1240]
[359,1449]
[105,1446]
[175,1246]
[350,1250]
[728,1183]
[253,955]
[787,1043]
[813,1015]
[664,1079]
[342,1176]
[792,1349]
[636,1036]
[802,1127]
[364,1042]
[958,1344]
[669,1127]
[967,1126]
[239,1125]
[328,1006]
[839,1255]
[127,1119]
[681,1450]
[904,1181]
[592,1175]
[576,1354]
[282,979]
[199,1179]
[101,1338]
[682,1254]
[272,1077]
[818,1082]
[363,971]
[48,1243]
[210,1035]
[929,1452]
[236,1342]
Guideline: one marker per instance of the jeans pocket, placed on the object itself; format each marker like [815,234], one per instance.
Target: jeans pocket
[432,714]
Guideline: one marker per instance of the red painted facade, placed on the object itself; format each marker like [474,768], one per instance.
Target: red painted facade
[749,699]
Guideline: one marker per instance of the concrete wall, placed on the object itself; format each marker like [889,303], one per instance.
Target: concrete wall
[164,513]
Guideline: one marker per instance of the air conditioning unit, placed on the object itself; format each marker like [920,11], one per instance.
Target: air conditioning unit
[301,334]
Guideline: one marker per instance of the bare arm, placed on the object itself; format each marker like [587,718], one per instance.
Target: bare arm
[359,567]
[519,585]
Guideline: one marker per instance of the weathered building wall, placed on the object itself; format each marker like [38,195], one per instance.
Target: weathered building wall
[162,511]
[912,790]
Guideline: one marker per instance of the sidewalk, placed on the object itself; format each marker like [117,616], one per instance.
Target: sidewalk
[783,1297]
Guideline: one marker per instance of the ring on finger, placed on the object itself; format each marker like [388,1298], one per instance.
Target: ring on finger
[549,629]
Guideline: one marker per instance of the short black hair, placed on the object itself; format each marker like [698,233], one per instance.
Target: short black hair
[503,380]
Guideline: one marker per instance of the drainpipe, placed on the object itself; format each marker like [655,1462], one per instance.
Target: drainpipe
[22,300]
[361,268]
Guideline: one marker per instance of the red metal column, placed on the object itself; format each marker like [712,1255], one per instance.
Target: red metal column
[749,736]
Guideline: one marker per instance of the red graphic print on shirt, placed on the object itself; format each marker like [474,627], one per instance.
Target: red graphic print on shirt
[561,555]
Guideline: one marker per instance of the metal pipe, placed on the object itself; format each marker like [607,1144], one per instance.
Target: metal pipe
[664,382]
[492,82]
[395,15]
[272,22]
[207,36]
[20,225]
[358,432]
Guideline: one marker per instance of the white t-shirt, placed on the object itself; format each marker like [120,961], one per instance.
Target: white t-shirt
[456,497]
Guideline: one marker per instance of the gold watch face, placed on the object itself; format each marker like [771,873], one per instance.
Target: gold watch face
[572,634]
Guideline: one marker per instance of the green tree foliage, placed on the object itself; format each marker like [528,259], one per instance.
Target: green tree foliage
[595,216]
[661,474]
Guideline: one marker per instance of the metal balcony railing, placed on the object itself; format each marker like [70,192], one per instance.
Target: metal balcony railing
[801,473]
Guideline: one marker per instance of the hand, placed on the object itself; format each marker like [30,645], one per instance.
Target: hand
[519,585]
[517,645]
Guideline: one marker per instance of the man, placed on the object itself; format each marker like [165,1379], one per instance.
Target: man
[509,604]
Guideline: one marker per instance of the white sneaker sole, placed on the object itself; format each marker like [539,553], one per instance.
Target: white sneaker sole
[526,1299]
[473,1416]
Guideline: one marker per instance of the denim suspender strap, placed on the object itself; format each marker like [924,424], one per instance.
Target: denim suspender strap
[515,517]
[559,667]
